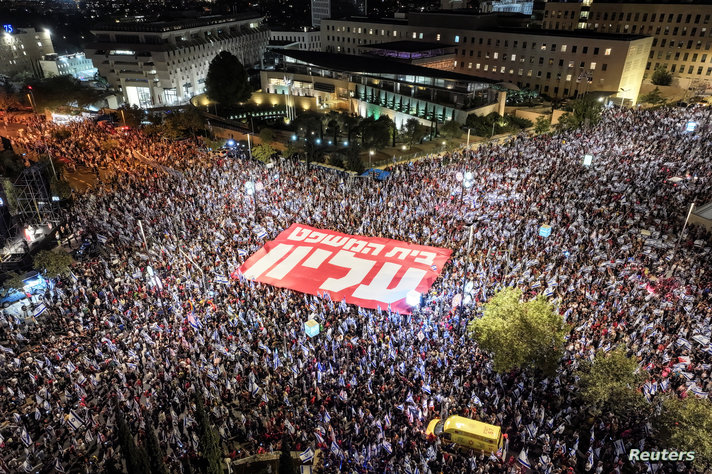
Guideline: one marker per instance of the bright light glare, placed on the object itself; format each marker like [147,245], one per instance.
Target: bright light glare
[412,298]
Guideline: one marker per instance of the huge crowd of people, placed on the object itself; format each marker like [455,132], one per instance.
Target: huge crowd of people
[141,329]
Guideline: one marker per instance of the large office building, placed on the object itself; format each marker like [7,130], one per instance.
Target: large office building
[305,39]
[554,63]
[376,85]
[320,9]
[165,62]
[21,50]
[681,31]
[76,65]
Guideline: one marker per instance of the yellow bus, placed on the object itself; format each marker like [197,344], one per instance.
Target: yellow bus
[467,433]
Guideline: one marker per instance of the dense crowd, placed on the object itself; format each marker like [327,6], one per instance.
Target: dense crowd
[120,334]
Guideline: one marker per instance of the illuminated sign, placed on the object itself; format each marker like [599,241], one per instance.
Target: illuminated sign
[8,28]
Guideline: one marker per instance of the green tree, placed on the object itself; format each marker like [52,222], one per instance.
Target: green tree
[226,81]
[414,131]
[266,136]
[686,425]
[520,334]
[263,152]
[286,463]
[156,460]
[62,90]
[53,263]
[60,188]
[542,124]
[132,115]
[136,458]
[293,148]
[13,280]
[661,77]
[653,97]
[610,384]
[451,129]
[353,159]
[183,123]
[208,440]
[585,111]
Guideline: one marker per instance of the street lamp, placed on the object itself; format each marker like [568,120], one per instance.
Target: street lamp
[470,222]
[370,158]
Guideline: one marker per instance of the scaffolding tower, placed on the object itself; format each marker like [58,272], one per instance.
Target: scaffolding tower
[34,203]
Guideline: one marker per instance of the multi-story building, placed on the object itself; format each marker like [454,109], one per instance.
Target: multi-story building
[305,39]
[681,31]
[320,9]
[76,65]
[21,49]
[375,85]
[165,62]
[511,6]
[554,63]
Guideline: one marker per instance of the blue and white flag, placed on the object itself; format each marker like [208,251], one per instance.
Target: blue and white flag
[327,418]
[41,308]
[223,280]
[524,459]
[58,466]
[306,455]
[26,440]
[387,447]
[242,252]
[263,234]
[101,238]
[74,421]
[426,388]
[71,367]
[335,448]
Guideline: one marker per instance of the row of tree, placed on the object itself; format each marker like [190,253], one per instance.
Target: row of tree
[529,335]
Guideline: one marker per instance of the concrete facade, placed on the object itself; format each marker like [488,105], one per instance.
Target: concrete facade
[165,63]
[21,50]
[681,31]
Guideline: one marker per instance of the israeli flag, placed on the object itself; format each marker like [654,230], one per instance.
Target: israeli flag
[263,234]
[426,389]
[327,418]
[242,252]
[223,280]
[58,466]
[74,421]
[524,459]
[477,401]
[71,367]
[335,448]
[387,447]
[101,238]
[39,310]
[306,455]
[254,389]
[26,440]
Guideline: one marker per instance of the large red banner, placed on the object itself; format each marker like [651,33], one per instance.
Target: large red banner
[366,271]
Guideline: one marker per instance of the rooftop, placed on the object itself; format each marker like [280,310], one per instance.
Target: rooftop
[375,65]
[160,26]
[567,34]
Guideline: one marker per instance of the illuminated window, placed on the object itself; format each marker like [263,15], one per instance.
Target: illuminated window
[457,38]
[593,66]
[563,48]
[437,37]
[607,52]
[568,78]
[496,55]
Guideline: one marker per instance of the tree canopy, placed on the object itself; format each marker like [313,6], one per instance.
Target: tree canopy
[686,425]
[520,334]
[54,263]
[584,111]
[610,384]
[226,81]
[661,77]
[59,91]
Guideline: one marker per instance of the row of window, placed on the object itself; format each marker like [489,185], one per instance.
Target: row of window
[630,16]
[681,70]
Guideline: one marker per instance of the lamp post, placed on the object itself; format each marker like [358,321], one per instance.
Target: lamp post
[31,97]
[471,223]
[679,238]
[370,159]
[468,138]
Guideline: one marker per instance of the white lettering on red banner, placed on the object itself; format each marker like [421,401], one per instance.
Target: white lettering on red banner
[366,271]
